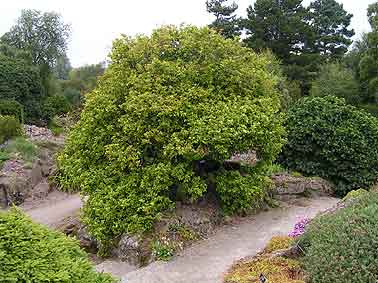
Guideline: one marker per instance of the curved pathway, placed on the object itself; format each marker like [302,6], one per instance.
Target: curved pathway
[207,261]
[52,210]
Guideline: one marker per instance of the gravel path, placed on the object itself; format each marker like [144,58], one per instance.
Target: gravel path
[52,210]
[207,261]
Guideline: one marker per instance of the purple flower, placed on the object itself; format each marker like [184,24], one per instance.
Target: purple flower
[299,228]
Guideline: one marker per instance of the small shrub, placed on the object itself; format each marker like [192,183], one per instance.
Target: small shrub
[3,157]
[330,139]
[55,105]
[278,243]
[56,126]
[12,108]
[240,193]
[343,246]
[355,194]
[23,148]
[163,249]
[9,127]
[275,269]
[32,253]
[299,228]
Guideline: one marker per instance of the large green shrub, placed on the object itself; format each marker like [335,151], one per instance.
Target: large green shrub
[168,105]
[12,108]
[333,140]
[343,246]
[32,253]
[21,82]
[9,127]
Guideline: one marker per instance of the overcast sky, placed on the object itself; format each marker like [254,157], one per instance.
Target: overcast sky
[96,23]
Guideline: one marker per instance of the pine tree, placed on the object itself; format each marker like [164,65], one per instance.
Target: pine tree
[226,22]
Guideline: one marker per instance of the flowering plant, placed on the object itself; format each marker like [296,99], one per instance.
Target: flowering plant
[299,228]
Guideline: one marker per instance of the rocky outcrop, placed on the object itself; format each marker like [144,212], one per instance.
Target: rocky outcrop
[19,180]
[286,185]
[72,226]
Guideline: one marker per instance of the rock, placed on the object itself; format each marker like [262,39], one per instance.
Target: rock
[130,249]
[288,185]
[41,190]
[72,226]
[15,189]
[37,133]
[19,182]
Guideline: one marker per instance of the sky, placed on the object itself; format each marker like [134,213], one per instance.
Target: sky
[95,24]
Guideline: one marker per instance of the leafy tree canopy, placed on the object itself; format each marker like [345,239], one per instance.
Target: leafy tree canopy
[43,35]
[21,82]
[167,105]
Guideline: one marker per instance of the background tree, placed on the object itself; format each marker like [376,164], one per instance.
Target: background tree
[21,81]
[43,35]
[335,79]
[368,67]
[62,67]
[282,27]
[226,22]
[330,23]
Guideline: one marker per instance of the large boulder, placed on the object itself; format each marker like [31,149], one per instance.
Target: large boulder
[19,181]
[286,185]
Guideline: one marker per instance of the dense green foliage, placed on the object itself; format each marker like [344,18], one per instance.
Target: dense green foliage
[342,247]
[333,140]
[21,82]
[12,108]
[55,105]
[43,35]
[168,105]
[226,22]
[9,127]
[330,24]
[335,79]
[302,38]
[32,253]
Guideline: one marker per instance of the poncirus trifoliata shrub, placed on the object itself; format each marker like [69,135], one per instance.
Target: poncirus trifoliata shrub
[167,102]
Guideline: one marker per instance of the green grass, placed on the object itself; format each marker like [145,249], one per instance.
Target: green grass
[22,147]
[3,157]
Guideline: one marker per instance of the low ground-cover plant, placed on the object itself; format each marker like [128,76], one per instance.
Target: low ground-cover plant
[330,139]
[169,105]
[275,269]
[343,246]
[22,148]
[9,127]
[32,253]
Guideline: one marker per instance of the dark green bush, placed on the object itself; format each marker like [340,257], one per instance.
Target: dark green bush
[167,103]
[22,82]
[12,108]
[9,127]
[32,253]
[333,140]
[343,246]
[55,105]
